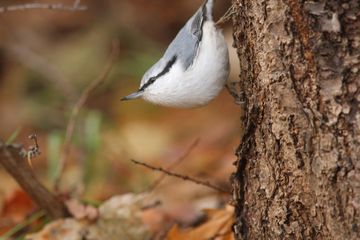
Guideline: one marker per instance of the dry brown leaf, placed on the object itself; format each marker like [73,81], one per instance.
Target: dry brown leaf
[17,206]
[61,229]
[120,217]
[218,227]
[81,211]
[117,218]
[176,234]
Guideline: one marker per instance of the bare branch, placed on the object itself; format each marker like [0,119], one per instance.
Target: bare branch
[175,164]
[20,170]
[183,177]
[78,105]
[46,6]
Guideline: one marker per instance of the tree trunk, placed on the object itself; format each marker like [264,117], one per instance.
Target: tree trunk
[298,163]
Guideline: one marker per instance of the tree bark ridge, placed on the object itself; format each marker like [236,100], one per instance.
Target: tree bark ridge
[298,164]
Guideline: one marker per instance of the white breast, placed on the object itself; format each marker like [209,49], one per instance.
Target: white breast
[201,82]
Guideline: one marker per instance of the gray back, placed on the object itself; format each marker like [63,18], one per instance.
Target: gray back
[185,45]
[186,42]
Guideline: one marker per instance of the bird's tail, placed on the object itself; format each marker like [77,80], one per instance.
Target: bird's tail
[208,7]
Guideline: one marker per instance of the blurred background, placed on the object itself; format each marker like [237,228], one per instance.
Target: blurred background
[47,58]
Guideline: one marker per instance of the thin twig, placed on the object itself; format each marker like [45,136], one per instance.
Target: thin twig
[77,107]
[183,177]
[13,162]
[175,164]
[47,6]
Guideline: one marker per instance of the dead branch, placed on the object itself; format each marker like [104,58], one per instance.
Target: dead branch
[20,170]
[175,164]
[183,177]
[76,6]
[78,106]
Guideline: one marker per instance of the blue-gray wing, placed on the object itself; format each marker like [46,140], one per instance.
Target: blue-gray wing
[183,48]
[186,43]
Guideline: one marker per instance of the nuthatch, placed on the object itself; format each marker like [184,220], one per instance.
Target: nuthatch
[194,68]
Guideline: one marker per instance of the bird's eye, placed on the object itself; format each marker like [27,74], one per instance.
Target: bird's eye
[148,83]
[151,80]
[163,72]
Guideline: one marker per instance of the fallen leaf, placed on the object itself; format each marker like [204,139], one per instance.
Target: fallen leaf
[121,217]
[17,206]
[117,218]
[81,211]
[217,227]
[61,229]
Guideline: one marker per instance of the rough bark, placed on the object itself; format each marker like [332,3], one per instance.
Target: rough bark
[298,163]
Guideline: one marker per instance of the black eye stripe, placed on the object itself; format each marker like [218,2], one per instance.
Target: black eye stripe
[163,72]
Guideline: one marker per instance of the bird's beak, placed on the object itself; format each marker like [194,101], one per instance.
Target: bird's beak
[133,96]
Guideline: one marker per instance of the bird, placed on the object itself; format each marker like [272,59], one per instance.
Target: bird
[194,68]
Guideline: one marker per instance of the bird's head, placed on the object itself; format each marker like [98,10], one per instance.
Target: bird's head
[155,73]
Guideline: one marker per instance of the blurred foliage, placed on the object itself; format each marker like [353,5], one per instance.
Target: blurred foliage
[47,58]
[92,169]
[13,136]
[53,150]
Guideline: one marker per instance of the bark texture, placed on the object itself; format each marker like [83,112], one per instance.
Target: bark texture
[298,163]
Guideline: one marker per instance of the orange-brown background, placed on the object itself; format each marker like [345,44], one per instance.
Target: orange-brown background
[48,57]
